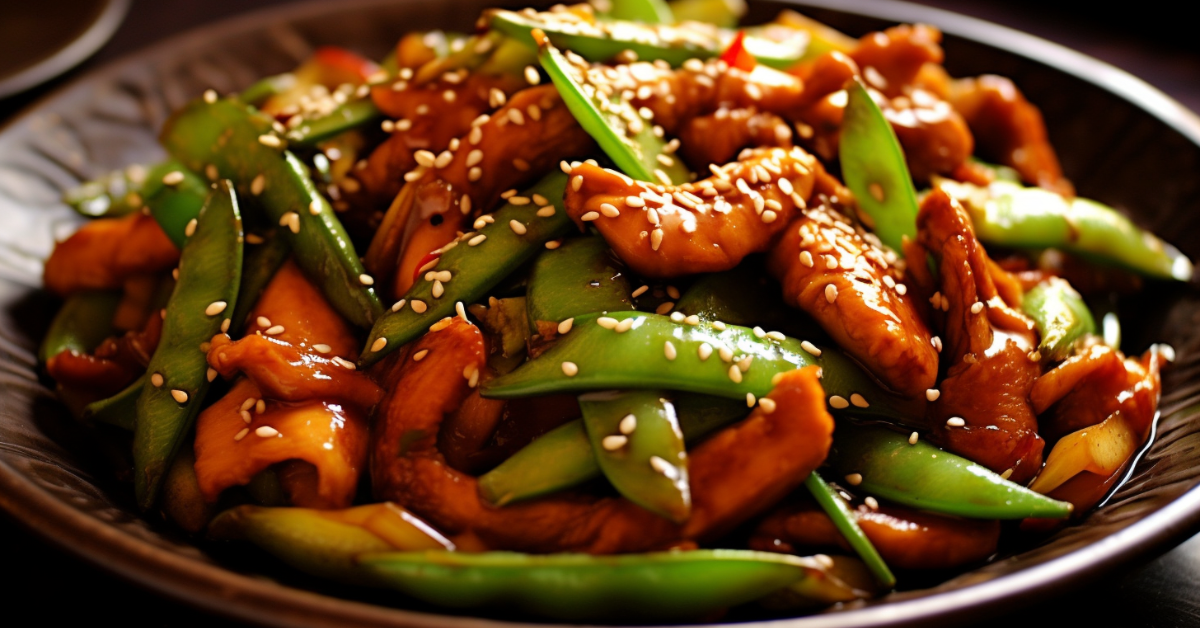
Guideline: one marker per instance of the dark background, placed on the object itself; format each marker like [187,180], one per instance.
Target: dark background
[48,586]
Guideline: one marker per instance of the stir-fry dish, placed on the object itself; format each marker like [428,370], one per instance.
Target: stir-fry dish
[613,312]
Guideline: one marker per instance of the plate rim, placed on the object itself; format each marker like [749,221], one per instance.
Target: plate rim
[224,592]
[79,49]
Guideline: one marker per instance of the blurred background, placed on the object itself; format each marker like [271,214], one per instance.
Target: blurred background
[1145,40]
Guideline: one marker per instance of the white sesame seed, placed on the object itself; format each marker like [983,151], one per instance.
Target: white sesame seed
[553,244]
[627,424]
[750,400]
[912,438]
[831,293]
[461,310]
[420,355]
[1007,474]
[241,434]
[769,216]
[291,220]
[776,336]
[725,353]
[735,374]
[614,442]
[668,349]
[576,182]
[664,307]
[157,380]
[745,362]
[656,237]
[640,291]
[854,479]
[767,404]
[322,348]
[344,363]
[692,320]
[214,308]
[274,330]
[190,229]
[589,216]
[314,207]
[677,317]
[663,467]
[937,343]
[379,344]
[418,306]
[179,396]
[531,75]
[955,421]
[976,307]
[718,325]
[624,326]
[635,201]
[517,227]
[475,241]
[266,431]
[806,258]
[871,502]
[858,401]
[609,210]
[263,321]
[932,394]
[566,326]
[607,322]
[225,326]
[759,332]
[570,369]
[257,185]
[210,96]
[270,140]
[260,406]
[443,159]
[441,324]
[518,200]
[705,351]
[174,177]
[838,402]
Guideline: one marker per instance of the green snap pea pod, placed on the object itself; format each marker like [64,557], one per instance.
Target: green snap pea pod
[874,169]
[476,263]
[242,145]
[582,587]
[723,13]
[606,39]
[643,457]
[741,296]
[174,195]
[633,147]
[564,457]
[922,476]
[647,11]
[844,521]
[580,277]
[1008,214]
[210,269]
[351,115]
[261,261]
[1060,315]
[81,324]
[558,459]
[119,410]
[325,543]
[111,195]
[593,357]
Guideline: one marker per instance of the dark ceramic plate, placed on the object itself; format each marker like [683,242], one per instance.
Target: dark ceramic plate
[1120,141]
[40,40]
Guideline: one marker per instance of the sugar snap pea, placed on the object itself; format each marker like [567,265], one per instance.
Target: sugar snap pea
[243,146]
[350,115]
[81,324]
[1060,315]
[210,270]
[843,520]
[579,277]
[474,264]
[647,11]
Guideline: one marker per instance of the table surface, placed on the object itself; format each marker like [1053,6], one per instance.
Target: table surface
[1160,593]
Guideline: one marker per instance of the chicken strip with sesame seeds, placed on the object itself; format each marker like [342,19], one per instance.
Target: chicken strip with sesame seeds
[735,475]
[853,289]
[707,226]
[296,412]
[984,412]
[717,138]
[511,148]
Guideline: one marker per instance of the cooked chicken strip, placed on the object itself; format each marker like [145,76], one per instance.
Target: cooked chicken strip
[107,251]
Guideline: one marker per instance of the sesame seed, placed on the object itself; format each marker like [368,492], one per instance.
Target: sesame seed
[418,306]
[260,406]
[263,321]
[932,394]
[443,159]
[677,317]
[854,479]
[607,322]
[344,363]
[461,310]
[806,258]
[190,229]
[179,396]
[531,75]
[635,201]
[937,343]
[627,424]
[725,353]
[157,380]
[241,434]
[735,374]
[245,413]
[767,404]
[614,442]
[379,344]
[270,140]
[912,438]
[705,351]
[718,325]
[831,293]
[976,307]
[553,244]
[692,320]
[248,403]
[266,431]
[1007,474]
[441,324]
[518,200]
[589,216]
[769,216]
[570,369]
[174,177]
[871,502]
[838,402]
[668,349]
[776,336]
[759,332]
[210,96]
[517,227]
[225,326]
[624,326]
[876,191]
[663,467]
[314,207]
[475,241]
[566,325]
[420,355]
[322,348]
[214,308]
[398,305]
[955,421]
[656,237]
[609,210]
[858,401]
[274,330]
[664,307]
[640,291]
[750,400]
[291,220]
[831,262]
[745,362]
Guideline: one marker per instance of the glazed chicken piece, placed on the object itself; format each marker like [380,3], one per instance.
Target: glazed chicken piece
[298,408]
[105,252]
[115,364]
[509,149]
[983,411]
[905,538]
[707,226]
[717,138]
[1092,385]
[851,287]
[736,474]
